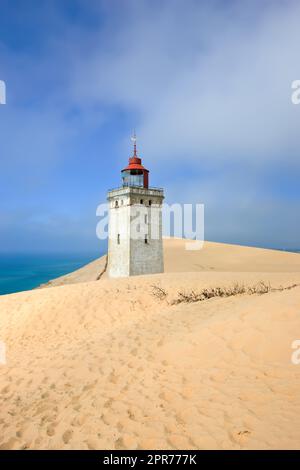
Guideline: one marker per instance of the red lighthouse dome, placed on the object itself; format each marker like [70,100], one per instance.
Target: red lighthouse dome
[135,174]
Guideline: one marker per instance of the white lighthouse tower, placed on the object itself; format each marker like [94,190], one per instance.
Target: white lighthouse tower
[135,223]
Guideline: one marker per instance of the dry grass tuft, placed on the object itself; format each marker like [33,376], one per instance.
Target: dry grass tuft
[159,292]
[208,293]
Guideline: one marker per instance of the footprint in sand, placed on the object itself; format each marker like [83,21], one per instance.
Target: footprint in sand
[67,435]
[5,389]
[108,403]
[79,420]
[134,351]
[51,430]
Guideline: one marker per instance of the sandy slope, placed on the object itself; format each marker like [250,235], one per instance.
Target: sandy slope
[106,364]
[212,257]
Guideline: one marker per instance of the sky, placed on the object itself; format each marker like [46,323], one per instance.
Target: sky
[206,85]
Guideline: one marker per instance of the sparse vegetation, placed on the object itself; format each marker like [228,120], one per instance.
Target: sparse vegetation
[208,293]
[104,269]
[159,292]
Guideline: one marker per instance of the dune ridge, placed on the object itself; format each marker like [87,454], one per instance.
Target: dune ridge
[212,257]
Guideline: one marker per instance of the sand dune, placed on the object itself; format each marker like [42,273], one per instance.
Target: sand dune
[108,365]
[213,257]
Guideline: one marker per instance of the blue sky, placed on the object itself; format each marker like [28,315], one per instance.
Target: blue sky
[207,85]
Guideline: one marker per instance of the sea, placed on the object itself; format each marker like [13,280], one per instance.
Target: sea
[20,272]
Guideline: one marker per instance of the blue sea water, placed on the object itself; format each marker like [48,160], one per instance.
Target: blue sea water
[24,272]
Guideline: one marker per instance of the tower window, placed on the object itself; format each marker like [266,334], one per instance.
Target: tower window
[121,202]
[150,202]
[146,239]
[118,239]
[146,219]
[142,201]
[116,204]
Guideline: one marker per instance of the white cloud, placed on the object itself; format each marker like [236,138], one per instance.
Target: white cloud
[204,83]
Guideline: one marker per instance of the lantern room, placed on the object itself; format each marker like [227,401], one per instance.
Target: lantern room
[135,174]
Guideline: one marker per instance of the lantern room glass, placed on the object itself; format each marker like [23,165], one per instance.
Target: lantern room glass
[133,178]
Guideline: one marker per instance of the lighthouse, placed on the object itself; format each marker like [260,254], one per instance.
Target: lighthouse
[135,223]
